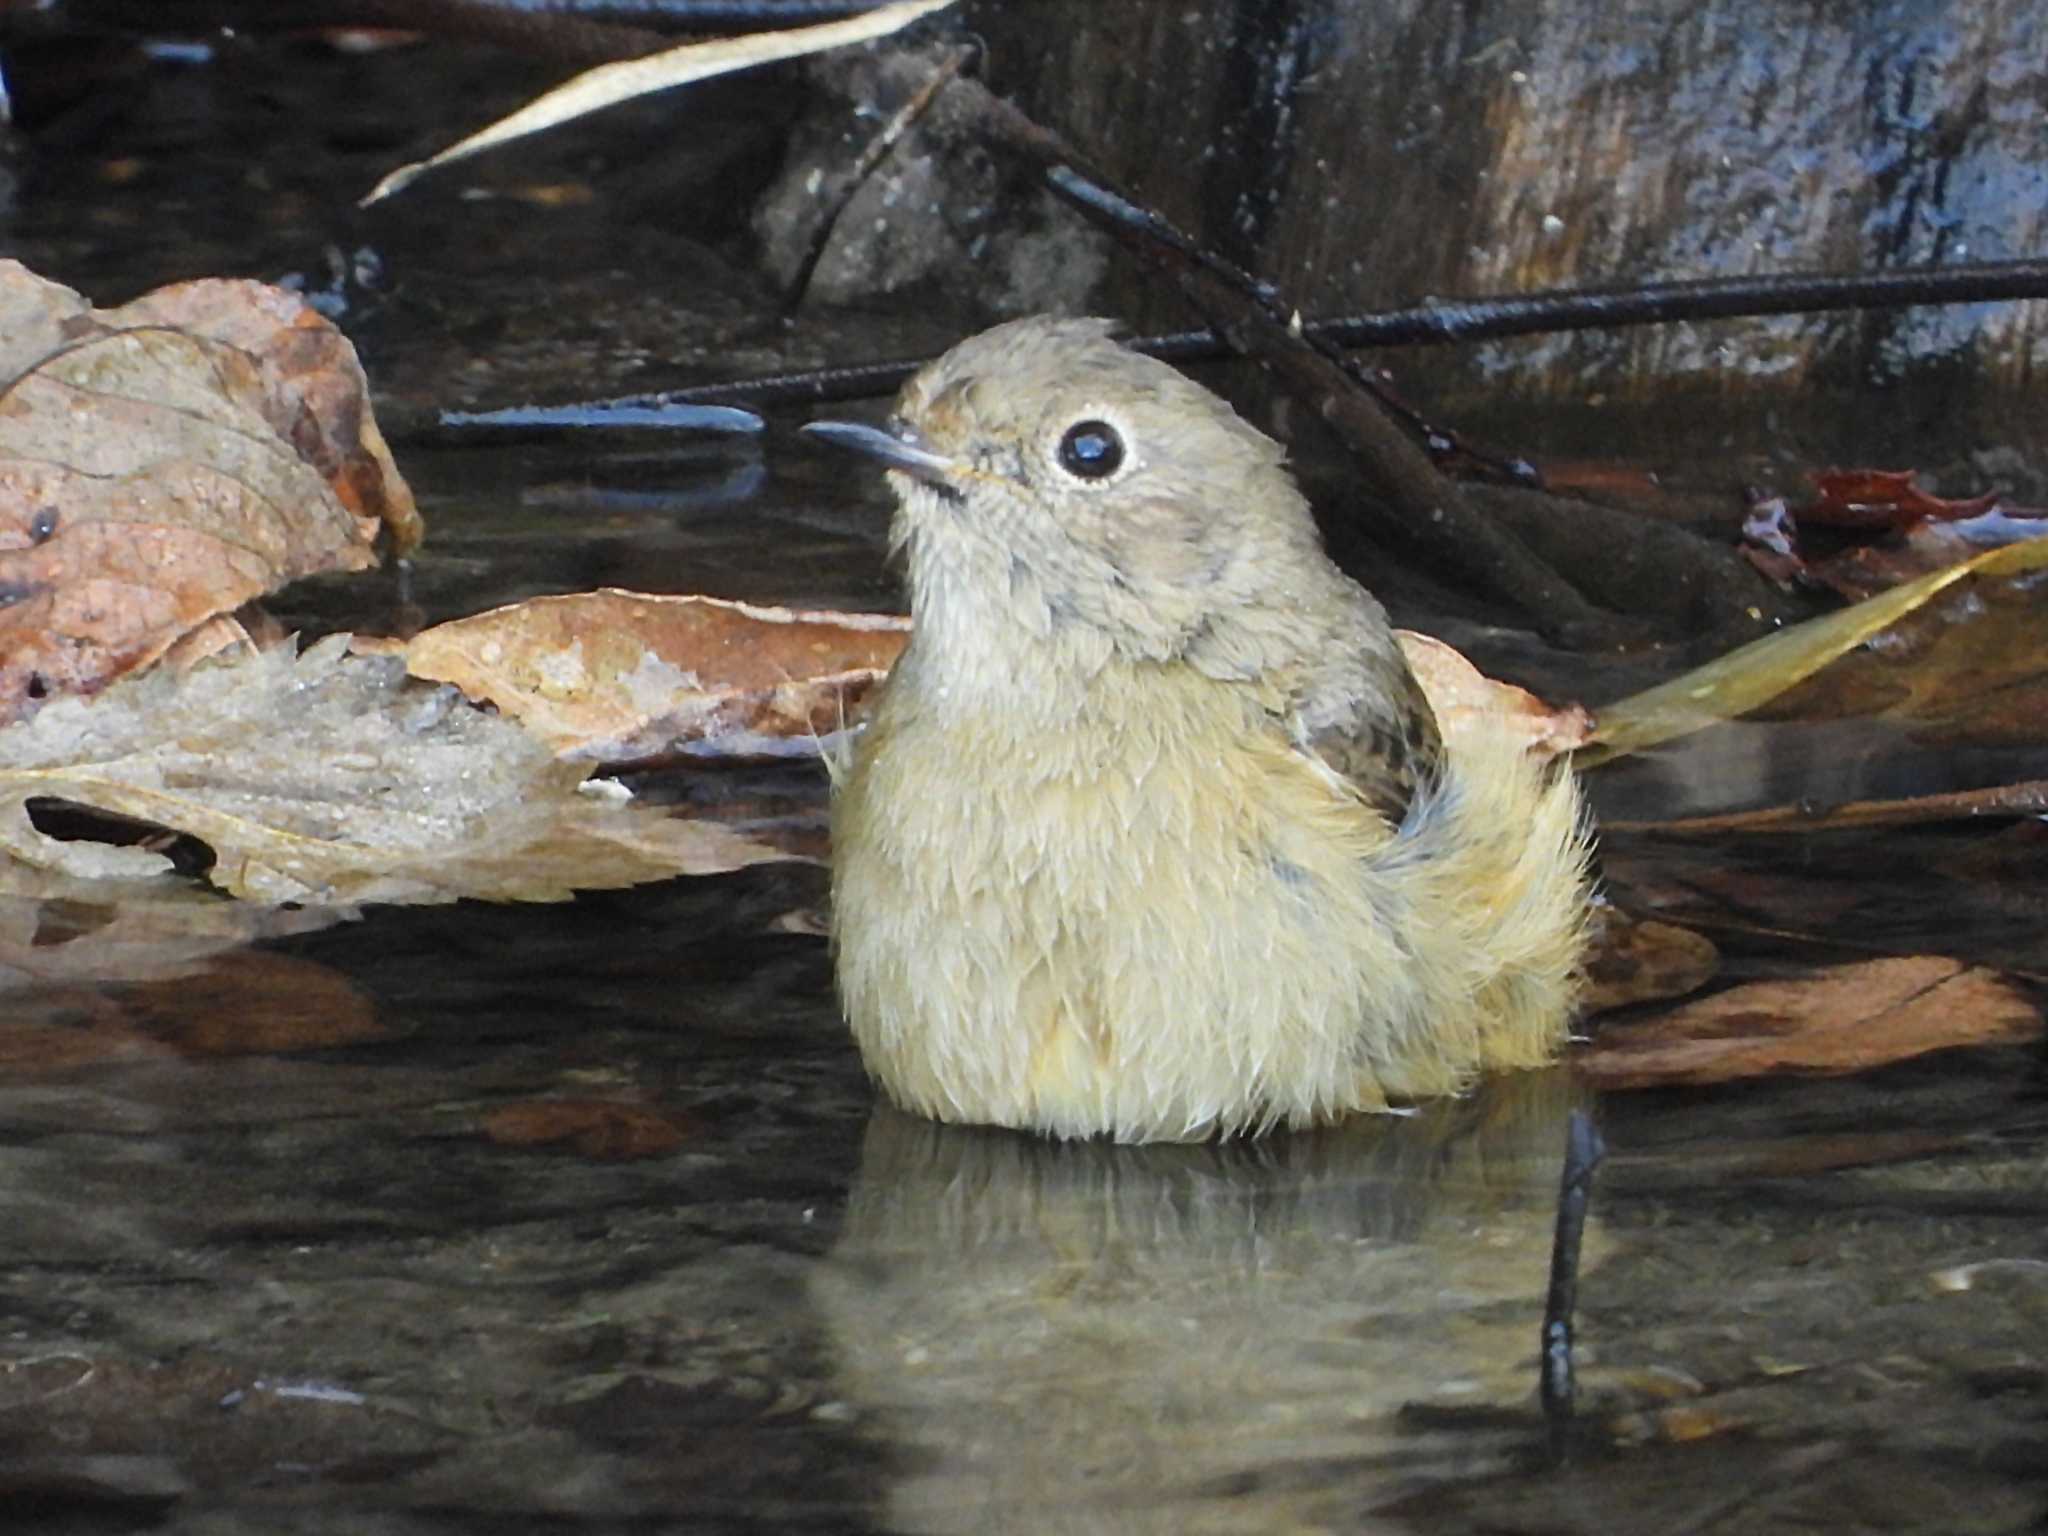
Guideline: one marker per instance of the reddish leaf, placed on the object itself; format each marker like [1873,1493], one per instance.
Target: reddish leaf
[1883,499]
[603,1129]
[244,1003]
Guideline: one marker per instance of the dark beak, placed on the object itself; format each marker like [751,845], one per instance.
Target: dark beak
[898,448]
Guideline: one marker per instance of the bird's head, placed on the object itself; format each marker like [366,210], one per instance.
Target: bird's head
[1042,467]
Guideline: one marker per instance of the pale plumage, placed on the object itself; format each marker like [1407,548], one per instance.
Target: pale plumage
[1151,833]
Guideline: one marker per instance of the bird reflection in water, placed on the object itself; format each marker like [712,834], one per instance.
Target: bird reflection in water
[1219,1336]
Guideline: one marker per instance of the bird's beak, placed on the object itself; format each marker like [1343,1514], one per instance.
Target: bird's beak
[898,447]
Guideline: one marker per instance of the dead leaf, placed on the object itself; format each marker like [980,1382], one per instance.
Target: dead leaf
[326,779]
[602,1129]
[248,1002]
[1638,960]
[1842,1019]
[611,83]
[166,462]
[1882,499]
[315,394]
[621,676]
[1461,694]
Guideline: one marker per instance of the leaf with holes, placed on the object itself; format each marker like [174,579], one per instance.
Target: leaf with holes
[165,463]
[326,779]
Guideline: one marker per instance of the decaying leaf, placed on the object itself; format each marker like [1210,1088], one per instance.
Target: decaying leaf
[1883,498]
[1843,1019]
[617,676]
[164,463]
[606,1130]
[1753,675]
[611,83]
[315,395]
[1460,693]
[1896,535]
[235,1004]
[325,778]
[620,676]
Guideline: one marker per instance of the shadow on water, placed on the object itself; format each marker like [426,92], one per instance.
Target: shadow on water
[583,1217]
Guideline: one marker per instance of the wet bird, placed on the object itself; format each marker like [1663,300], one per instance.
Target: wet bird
[1151,832]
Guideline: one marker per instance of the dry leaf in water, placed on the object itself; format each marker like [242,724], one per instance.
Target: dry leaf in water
[247,1002]
[166,462]
[621,676]
[605,1130]
[624,676]
[1843,1019]
[1462,695]
[327,779]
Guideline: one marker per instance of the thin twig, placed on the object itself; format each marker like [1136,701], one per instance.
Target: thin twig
[2027,797]
[574,32]
[570,40]
[1440,322]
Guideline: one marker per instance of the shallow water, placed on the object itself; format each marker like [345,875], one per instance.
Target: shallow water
[280,1248]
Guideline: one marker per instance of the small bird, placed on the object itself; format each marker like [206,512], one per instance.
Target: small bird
[1151,833]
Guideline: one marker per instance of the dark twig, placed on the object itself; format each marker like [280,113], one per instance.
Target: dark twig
[1583,1151]
[872,155]
[1481,319]
[570,40]
[573,32]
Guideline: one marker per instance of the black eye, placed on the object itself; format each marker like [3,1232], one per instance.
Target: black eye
[1092,450]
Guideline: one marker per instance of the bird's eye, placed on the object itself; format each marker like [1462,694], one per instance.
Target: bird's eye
[1091,450]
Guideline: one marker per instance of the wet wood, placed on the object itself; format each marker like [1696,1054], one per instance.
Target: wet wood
[1365,153]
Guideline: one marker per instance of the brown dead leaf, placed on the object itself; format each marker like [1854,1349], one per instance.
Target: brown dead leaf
[602,1129]
[243,1003]
[1638,960]
[1461,694]
[166,462]
[620,676]
[1843,1019]
[1882,499]
[315,395]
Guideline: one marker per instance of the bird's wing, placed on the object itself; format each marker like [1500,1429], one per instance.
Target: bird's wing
[1386,749]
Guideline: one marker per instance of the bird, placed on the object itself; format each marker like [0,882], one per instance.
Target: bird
[1150,833]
